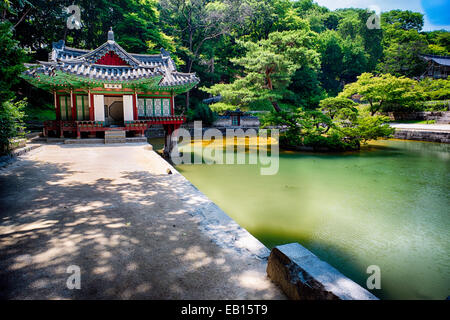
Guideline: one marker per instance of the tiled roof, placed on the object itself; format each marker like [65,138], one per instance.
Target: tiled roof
[82,63]
[441,60]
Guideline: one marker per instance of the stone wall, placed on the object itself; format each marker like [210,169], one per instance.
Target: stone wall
[246,122]
[425,115]
[222,124]
[431,136]
[303,276]
[155,131]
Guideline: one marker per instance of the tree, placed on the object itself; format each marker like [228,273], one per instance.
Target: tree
[134,22]
[12,57]
[195,22]
[402,49]
[12,65]
[353,27]
[333,107]
[435,89]
[11,126]
[404,19]
[439,42]
[268,68]
[317,131]
[385,92]
[306,88]
[330,48]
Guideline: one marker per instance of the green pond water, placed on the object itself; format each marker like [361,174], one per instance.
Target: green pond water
[386,205]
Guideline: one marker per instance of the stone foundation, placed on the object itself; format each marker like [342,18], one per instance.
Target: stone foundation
[425,115]
[430,136]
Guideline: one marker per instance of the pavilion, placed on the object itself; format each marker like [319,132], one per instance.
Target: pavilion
[108,90]
[438,67]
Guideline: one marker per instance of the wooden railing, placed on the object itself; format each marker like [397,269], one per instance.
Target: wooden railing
[91,126]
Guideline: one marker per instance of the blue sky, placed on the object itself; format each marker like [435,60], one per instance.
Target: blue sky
[437,12]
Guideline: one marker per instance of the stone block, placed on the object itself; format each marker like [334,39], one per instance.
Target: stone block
[303,276]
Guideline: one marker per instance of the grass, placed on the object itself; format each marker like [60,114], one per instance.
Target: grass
[416,121]
[40,114]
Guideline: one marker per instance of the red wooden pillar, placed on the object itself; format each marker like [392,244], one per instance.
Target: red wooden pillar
[58,115]
[73,102]
[57,107]
[91,113]
[172,105]
[135,111]
[91,107]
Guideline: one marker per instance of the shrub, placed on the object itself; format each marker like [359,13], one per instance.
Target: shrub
[11,125]
[435,89]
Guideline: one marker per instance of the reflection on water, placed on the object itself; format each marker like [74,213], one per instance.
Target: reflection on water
[386,205]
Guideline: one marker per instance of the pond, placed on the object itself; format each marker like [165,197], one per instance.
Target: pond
[386,205]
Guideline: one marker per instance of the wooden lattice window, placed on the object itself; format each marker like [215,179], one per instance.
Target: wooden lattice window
[65,108]
[82,105]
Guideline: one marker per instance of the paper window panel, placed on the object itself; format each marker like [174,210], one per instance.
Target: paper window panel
[166,107]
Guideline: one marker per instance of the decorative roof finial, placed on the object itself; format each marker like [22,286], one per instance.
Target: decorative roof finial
[111,35]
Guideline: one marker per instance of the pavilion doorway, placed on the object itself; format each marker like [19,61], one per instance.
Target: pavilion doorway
[114,116]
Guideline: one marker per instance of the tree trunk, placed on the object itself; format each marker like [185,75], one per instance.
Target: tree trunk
[187,101]
[270,86]
[275,106]
[372,112]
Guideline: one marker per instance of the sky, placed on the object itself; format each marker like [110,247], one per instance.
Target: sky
[437,12]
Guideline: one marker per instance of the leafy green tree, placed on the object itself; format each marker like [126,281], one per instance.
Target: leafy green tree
[268,68]
[12,57]
[306,88]
[11,114]
[353,27]
[437,50]
[386,92]
[342,61]
[197,22]
[331,51]
[404,19]
[11,125]
[402,49]
[135,24]
[435,89]
[439,42]
[317,131]
[334,107]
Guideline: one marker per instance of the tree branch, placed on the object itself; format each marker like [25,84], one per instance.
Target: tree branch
[23,17]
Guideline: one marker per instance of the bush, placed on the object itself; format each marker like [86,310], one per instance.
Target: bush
[443,105]
[435,89]
[11,125]
[203,113]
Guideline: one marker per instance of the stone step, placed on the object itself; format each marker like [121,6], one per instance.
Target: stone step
[114,134]
[115,131]
[84,141]
[115,140]
[136,140]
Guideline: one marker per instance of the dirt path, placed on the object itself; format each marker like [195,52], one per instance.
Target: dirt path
[135,231]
